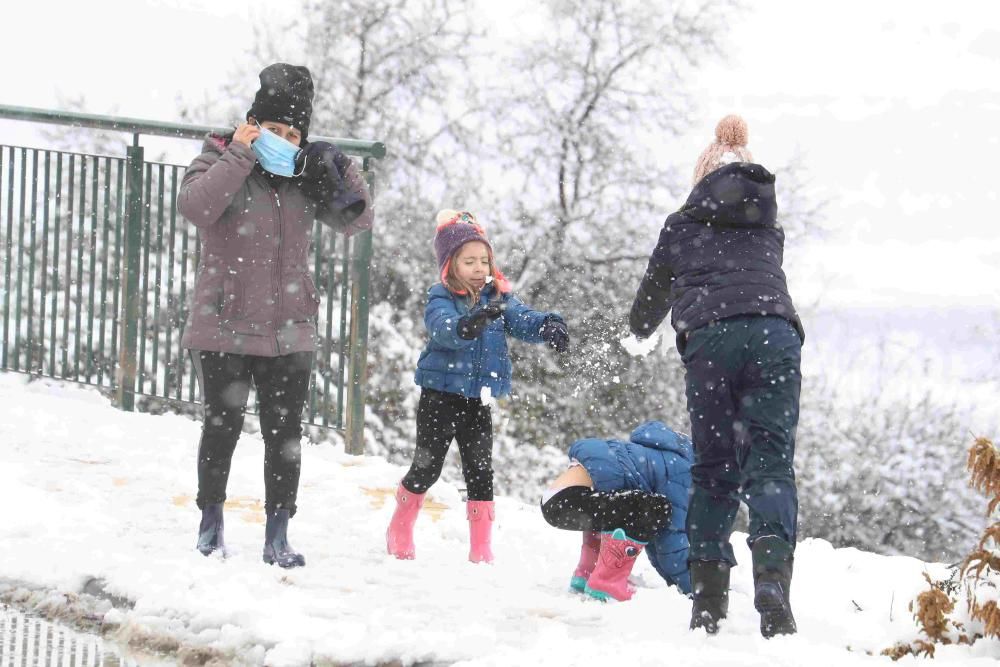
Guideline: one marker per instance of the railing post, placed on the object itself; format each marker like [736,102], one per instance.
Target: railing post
[358,361]
[130,297]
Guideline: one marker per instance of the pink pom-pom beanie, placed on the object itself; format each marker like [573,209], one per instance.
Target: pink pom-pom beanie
[730,145]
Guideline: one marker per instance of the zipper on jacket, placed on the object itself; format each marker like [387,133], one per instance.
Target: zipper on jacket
[480,352]
[276,204]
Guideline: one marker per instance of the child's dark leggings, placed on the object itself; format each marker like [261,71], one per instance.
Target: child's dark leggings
[441,418]
[640,514]
[282,384]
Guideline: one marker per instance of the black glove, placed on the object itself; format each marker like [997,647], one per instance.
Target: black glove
[322,167]
[555,333]
[316,164]
[636,324]
[471,326]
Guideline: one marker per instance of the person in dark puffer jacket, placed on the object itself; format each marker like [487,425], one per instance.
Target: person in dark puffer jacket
[717,265]
[625,496]
[469,315]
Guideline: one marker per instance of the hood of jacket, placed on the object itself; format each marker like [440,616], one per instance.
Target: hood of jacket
[656,435]
[216,143]
[737,194]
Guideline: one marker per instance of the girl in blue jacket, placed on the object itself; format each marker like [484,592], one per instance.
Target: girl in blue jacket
[626,497]
[469,315]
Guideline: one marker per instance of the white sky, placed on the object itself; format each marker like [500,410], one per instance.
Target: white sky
[893,103]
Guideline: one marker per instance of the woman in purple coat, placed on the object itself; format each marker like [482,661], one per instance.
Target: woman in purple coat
[254,196]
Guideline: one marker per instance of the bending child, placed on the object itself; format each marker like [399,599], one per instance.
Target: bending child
[626,497]
[469,315]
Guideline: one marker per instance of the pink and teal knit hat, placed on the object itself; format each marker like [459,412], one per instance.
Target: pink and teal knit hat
[455,229]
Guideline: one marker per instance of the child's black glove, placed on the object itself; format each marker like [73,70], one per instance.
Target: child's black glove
[471,326]
[555,333]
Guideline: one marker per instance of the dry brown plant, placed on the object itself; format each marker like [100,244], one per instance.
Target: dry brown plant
[898,651]
[933,607]
[984,464]
[979,560]
[918,648]
[991,532]
[989,614]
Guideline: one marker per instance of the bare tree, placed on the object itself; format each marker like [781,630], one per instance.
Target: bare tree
[800,211]
[389,70]
[597,92]
[86,140]
[589,103]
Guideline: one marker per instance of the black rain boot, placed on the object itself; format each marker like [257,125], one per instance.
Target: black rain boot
[210,531]
[710,591]
[277,550]
[772,582]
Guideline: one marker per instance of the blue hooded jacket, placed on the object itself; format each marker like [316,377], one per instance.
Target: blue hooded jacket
[657,460]
[452,364]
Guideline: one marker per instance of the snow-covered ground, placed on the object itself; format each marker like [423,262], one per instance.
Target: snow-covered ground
[93,492]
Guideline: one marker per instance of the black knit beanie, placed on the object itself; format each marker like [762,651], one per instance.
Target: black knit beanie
[285,96]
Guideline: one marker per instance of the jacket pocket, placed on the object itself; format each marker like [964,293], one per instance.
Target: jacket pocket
[233,299]
[301,298]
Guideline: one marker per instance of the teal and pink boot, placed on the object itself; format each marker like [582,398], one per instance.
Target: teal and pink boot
[609,580]
[588,559]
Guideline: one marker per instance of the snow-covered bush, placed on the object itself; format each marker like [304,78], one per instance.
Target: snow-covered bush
[394,346]
[966,606]
[884,474]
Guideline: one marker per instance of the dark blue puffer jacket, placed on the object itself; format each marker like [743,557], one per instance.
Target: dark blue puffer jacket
[466,367]
[657,460]
[719,256]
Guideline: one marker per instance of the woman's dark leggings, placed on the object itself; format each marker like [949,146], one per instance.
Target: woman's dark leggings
[282,383]
[441,418]
[640,514]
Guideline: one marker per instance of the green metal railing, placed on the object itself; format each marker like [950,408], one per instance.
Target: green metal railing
[98,269]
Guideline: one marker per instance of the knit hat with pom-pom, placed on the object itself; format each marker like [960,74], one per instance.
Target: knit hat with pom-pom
[730,143]
[455,229]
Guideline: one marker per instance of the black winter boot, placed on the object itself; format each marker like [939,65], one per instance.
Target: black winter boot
[210,531]
[277,550]
[710,590]
[772,582]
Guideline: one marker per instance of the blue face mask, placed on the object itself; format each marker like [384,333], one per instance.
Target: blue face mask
[275,154]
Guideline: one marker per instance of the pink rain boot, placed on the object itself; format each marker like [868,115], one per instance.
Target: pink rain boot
[399,536]
[481,515]
[614,563]
[588,559]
